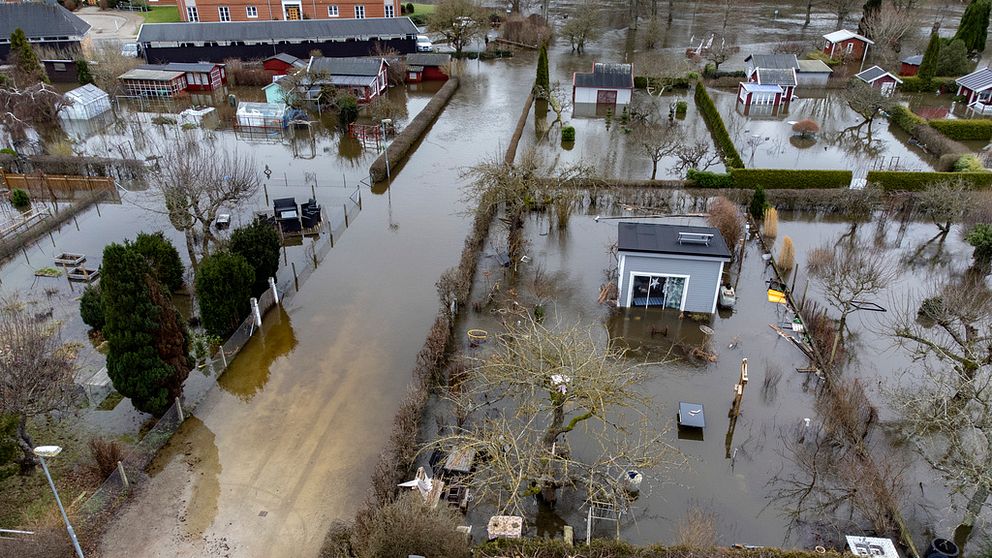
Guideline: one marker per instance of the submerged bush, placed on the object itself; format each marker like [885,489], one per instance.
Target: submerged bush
[407,527]
[771,222]
[223,289]
[568,134]
[91,307]
[980,238]
[20,199]
[786,256]
[758,204]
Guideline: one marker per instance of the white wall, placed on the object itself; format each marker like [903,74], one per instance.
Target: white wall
[588,95]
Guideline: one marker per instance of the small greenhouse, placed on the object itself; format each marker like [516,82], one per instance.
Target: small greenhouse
[88,101]
[262,115]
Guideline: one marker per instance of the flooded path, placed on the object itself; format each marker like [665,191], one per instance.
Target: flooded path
[286,444]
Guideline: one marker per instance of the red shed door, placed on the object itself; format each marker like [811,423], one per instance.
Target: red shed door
[606,97]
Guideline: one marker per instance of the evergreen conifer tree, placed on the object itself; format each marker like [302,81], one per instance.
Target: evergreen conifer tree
[147,338]
[223,289]
[27,67]
[543,80]
[258,243]
[973,29]
[928,67]
[83,73]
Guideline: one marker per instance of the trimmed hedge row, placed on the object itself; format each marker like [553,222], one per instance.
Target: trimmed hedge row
[704,103]
[641,82]
[605,548]
[964,129]
[905,118]
[916,84]
[772,179]
[902,181]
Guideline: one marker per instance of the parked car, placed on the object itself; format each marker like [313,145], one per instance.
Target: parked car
[424,44]
[130,50]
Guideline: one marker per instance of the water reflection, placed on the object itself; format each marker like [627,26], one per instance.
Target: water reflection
[249,373]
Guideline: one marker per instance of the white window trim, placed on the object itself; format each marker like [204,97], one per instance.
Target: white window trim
[389,10]
[630,287]
[248,12]
[220,13]
[192,14]
[333,11]
[360,7]
[849,48]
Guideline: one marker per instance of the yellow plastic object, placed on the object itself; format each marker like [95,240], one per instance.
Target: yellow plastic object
[776,297]
[478,334]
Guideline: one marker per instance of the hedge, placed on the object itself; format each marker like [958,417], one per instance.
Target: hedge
[605,548]
[772,179]
[641,82]
[915,84]
[902,181]
[731,158]
[964,129]
[905,118]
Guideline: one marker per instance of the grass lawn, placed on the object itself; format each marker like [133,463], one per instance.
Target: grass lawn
[422,9]
[162,14]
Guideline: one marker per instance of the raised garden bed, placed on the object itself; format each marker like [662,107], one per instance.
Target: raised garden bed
[70,259]
[84,274]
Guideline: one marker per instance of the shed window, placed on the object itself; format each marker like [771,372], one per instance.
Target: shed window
[359,12]
[251,11]
[332,11]
[59,66]
[224,12]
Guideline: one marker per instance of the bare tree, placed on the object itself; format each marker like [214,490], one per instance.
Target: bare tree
[36,369]
[459,21]
[848,274]
[696,155]
[559,101]
[841,8]
[889,26]
[946,401]
[35,107]
[661,71]
[108,65]
[868,102]
[944,202]
[657,140]
[196,180]
[583,24]
[720,54]
[540,387]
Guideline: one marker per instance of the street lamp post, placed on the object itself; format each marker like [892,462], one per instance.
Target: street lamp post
[385,122]
[51,451]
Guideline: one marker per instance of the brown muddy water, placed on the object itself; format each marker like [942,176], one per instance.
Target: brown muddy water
[736,481]
[304,410]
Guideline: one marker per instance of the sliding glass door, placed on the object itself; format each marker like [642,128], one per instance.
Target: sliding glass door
[663,291]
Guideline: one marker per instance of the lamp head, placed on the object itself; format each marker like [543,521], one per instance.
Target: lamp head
[47,451]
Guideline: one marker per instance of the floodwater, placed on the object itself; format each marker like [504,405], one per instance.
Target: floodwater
[304,410]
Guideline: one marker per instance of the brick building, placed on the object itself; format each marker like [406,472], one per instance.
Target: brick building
[271,10]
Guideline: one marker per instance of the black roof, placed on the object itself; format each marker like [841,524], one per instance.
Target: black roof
[664,239]
[774,61]
[346,66]
[776,77]
[193,67]
[428,59]
[311,30]
[613,76]
[914,60]
[40,20]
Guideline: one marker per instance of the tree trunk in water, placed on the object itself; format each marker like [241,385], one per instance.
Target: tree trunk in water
[975,504]
[28,461]
[809,11]
[191,248]
[654,170]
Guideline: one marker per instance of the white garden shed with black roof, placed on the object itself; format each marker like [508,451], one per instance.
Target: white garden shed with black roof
[605,85]
[678,267]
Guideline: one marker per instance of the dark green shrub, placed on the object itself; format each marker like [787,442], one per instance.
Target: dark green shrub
[974,25]
[756,208]
[731,158]
[83,74]
[223,289]
[543,81]
[147,338]
[568,134]
[8,151]
[981,238]
[903,181]
[163,258]
[258,243]
[791,179]
[409,7]
[641,82]
[953,60]
[419,19]
[91,307]
[916,84]
[964,129]
[709,69]
[928,67]
[706,179]
[347,109]
[681,107]
[20,199]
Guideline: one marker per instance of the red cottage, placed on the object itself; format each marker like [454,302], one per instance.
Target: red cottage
[847,44]
[282,64]
[976,88]
[424,66]
[200,76]
[365,78]
[911,65]
[880,79]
